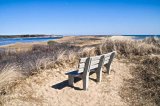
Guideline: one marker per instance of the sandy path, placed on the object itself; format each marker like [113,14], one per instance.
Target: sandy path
[49,88]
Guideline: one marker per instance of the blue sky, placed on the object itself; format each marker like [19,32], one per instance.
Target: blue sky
[76,17]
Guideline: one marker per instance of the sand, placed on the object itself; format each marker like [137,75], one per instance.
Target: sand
[49,88]
[122,38]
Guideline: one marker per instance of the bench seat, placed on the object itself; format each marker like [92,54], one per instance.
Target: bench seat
[74,73]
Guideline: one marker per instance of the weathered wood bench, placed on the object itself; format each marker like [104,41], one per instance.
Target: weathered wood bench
[90,64]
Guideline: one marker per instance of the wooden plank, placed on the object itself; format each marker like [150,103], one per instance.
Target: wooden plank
[106,61]
[81,65]
[107,55]
[95,57]
[107,58]
[82,60]
[94,62]
[94,66]
[80,70]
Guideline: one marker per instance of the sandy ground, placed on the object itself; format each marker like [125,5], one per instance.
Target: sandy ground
[122,38]
[22,45]
[50,88]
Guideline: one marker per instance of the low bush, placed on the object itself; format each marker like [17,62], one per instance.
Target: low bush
[52,43]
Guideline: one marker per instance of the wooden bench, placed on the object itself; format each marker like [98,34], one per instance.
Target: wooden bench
[90,64]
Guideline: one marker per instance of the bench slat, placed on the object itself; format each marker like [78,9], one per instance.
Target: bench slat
[94,62]
[107,55]
[96,57]
[94,66]
[80,70]
[81,65]
[82,60]
[106,61]
[107,58]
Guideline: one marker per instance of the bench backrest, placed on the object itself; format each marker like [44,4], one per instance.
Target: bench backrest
[83,64]
[95,62]
[90,63]
[108,58]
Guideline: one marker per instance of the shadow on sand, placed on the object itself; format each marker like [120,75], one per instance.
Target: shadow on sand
[64,84]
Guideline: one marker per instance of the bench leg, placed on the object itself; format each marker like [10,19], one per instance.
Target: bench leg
[70,80]
[108,68]
[85,82]
[99,75]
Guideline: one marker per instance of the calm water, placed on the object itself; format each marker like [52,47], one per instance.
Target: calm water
[6,41]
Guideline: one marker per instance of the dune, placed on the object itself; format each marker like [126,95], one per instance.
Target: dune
[50,88]
[122,37]
[44,83]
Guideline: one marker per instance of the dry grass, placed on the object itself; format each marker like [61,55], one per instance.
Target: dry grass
[8,77]
[129,48]
[144,88]
[152,40]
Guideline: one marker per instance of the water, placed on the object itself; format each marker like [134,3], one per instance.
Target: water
[6,41]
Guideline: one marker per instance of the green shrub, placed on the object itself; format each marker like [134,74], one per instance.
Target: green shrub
[50,43]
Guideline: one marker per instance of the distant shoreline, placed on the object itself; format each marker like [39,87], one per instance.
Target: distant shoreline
[114,37]
[6,40]
[12,41]
[31,36]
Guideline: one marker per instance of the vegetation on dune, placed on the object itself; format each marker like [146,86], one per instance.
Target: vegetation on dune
[51,43]
[129,48]
[153,40]
[150,77]
[54,55]
[144,88]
